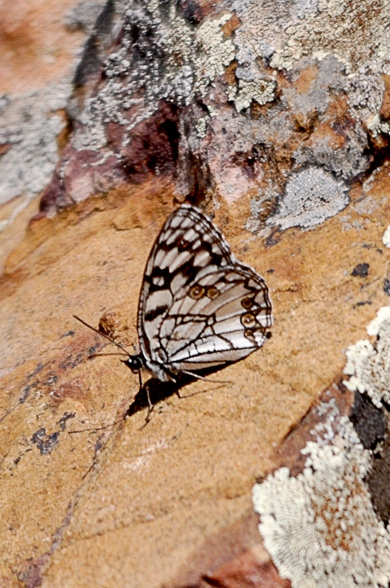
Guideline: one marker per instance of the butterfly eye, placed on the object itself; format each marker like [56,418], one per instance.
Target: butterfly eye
[197,292]
[248,320]
[212,292]
[247,303]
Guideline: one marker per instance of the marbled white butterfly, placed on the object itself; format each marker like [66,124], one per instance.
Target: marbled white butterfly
[199,306]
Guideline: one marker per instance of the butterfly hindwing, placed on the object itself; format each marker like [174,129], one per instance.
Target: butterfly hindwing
[222,317]
[199,307]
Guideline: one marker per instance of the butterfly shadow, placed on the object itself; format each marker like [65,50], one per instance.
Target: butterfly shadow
[154,391]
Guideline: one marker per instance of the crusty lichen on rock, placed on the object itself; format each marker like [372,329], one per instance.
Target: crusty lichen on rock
[320,528]
[368,363]
[311,196]
[30,127]
[160,57]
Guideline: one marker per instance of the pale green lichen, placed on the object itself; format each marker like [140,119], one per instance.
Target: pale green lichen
[213,52]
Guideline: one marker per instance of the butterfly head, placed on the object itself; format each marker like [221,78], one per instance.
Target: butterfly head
[134,362]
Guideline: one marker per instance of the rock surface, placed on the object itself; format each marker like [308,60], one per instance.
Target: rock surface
[284,142]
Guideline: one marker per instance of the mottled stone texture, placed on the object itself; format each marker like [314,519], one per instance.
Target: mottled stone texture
[230,105]
[274,118]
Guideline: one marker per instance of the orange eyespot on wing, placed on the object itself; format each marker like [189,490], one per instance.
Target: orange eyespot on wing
[247,303]
[183,243]
[212,293]
[197,292]
[248,320]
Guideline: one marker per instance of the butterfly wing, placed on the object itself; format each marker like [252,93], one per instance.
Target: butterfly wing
[199,307]
[187,244]
[221,317]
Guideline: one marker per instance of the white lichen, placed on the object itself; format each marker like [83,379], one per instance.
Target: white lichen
[369,364]
[311,196]
[377,126]
[30,125]
[201,127]
[320,527]
[335,29]
[354,32]
[260,91]
[324,431]
[169,60]
[288,35]
[386,238]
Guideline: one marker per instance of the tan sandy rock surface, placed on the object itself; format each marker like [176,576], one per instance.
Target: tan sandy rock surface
[284,144]
[87,505]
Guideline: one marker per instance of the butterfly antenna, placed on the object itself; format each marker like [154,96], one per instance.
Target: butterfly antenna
[104,354]
[101,334]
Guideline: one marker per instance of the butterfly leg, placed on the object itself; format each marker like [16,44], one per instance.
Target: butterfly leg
[150,405]
[150,409]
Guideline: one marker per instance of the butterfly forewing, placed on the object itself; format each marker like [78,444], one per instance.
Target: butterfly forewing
[199,307]
[187,243]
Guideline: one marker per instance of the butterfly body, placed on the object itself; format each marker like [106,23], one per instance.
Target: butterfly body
[199,307]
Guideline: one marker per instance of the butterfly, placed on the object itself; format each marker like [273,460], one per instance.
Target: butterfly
[199,307]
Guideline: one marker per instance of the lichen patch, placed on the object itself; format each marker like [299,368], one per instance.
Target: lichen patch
[320,527]
[30,127]
[311,196]
[258,90]
[386,238]
[368,363]
[160,57]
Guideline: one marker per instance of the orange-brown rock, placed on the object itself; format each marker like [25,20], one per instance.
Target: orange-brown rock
[286,149]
